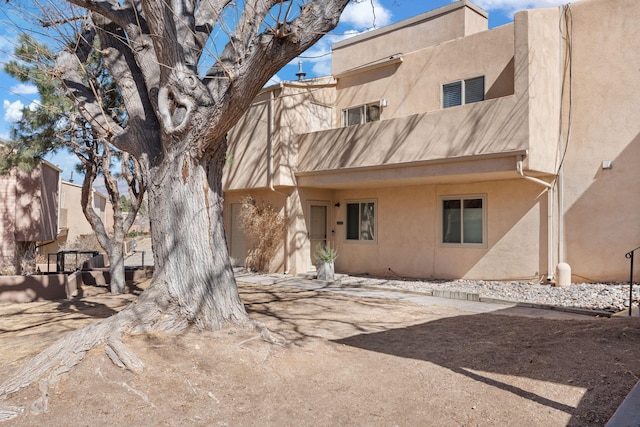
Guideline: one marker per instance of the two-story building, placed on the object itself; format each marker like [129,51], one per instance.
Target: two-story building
[29,205]
[73,224]
[441,148]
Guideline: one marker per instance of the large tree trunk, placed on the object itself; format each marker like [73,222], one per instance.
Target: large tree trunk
[189,245]
[116,269]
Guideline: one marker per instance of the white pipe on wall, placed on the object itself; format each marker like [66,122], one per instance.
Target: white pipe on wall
[549,190]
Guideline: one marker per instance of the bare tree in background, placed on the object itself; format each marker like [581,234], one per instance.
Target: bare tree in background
[177,123]
[55,122]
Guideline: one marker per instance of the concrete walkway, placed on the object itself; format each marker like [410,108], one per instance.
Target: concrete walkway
[419,298]
[627,415]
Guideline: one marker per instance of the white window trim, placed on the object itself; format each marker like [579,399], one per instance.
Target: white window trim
[462,197]
[463,89]
[343,113]
[375,221]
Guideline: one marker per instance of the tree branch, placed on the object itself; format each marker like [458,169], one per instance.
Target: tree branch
[263,56]
[122,14]
[67,64]
[207,15]
[121,63]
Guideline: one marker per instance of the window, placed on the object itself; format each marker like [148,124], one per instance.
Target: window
[463,220]
[472,89]
[361,114]
[361,220]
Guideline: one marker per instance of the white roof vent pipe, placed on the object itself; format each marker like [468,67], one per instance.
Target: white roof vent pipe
[300,74]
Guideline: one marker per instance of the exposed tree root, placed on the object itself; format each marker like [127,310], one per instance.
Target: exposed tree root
[153,311]
[63,355]
[60,357]
[268,336]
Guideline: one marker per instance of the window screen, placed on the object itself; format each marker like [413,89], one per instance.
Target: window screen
[474,90]
[451,94]
[463,92]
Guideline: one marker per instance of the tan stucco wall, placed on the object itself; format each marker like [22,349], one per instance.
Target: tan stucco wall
[418,152]
[255,161]
[276,200]
[76,223]
[246,165]
[488,127]
[7,211]
[49,194]
[414,86]
[602,207]
[429,29]
[29,208]
[409,233]
[538,84]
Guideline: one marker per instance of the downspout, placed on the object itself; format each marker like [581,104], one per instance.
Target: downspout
[270,173]
[59,229]
[549,190]
[559,189]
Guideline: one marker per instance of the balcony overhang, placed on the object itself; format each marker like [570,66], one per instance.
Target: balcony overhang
[476,168]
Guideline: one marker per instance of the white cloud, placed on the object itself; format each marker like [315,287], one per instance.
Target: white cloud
[24,89]
[363,14]
[33,106]
[12,110]
[322,68]
[512,6]
[319,55]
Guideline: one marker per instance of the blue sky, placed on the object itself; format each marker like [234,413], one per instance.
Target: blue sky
[360,16]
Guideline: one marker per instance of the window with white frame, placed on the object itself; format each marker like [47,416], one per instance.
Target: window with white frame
[361,114]
[463,220]
[361,220]
[463,92]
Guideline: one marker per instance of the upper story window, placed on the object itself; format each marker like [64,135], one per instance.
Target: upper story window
[463,92]
[361,114]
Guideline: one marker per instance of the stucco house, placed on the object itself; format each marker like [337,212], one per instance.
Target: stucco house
[440,148]
[72,222]
[29,205]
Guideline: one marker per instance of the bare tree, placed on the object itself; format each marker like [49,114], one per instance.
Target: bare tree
[177,123]
[55,122]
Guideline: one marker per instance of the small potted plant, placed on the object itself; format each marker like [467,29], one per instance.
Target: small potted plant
[325,258]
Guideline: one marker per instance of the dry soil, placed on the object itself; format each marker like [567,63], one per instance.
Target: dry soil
[348,361]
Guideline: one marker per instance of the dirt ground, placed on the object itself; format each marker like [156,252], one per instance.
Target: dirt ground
[349,361]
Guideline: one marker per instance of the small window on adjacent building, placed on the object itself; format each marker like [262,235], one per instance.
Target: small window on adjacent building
[361,220]
[463,220]
[463,92]
[361,114]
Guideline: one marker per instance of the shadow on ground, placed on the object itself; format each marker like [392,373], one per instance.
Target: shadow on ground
[598,355]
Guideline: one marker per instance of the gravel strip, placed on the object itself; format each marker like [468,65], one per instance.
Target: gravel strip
[611,297]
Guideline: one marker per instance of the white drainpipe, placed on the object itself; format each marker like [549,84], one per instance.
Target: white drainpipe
[549,190]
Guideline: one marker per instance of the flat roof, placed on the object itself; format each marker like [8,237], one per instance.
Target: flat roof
[412,21]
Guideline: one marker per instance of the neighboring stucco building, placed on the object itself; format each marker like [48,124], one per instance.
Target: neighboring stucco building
[442,149]
[73,223]
[29,205]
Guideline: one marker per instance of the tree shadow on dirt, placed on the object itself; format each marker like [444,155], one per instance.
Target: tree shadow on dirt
[301,315]
[598,355]
[87,308]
